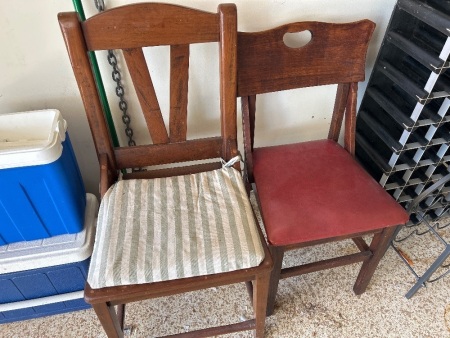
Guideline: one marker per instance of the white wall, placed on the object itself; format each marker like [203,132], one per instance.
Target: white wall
[35,72]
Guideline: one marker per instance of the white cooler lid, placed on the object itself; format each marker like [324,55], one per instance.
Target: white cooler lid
[31,138]
[56,250]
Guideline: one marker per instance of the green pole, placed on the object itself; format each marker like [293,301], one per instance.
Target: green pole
[98,80]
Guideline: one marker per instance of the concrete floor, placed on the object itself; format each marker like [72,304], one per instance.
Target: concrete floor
[320,304]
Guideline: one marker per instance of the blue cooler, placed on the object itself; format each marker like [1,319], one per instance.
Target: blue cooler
[42,192]
[45,277]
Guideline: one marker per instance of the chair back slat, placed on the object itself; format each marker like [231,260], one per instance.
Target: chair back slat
[338,111]
[179,76]
[129,26]
[350,119]
[146,94]
[148,155]
[175,171]
[333,55]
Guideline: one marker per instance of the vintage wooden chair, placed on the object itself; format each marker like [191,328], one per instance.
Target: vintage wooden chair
[314,192]
[177,229]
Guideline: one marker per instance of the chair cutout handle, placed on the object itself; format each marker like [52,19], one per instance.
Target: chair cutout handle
[297,39]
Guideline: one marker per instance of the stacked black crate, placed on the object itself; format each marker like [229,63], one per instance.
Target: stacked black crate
[403,125]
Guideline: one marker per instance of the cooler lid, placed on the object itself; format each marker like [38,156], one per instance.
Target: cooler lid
[31,138]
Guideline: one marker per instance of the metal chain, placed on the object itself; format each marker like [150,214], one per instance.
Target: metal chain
[120,92]
[100,4]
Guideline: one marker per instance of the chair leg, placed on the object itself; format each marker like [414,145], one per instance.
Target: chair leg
[277,254]
[378,247]
[260,292]
[121,315]
[109,320]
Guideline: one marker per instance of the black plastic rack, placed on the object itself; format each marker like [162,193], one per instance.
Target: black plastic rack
[403,124]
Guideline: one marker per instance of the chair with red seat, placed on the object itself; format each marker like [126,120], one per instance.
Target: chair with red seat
[314,192]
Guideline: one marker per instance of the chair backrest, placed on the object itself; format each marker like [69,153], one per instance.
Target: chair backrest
[335,54]
[131,28]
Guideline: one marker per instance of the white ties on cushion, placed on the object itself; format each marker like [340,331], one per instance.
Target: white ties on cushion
[152,230]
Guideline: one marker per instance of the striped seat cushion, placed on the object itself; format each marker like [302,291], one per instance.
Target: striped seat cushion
[161,229]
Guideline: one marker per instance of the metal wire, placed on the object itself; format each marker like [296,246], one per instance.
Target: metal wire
[430,215]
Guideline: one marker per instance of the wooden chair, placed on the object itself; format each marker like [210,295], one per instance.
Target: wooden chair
[177,229]
[314,192]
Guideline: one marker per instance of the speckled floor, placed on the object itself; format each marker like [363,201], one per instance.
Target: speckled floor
[320,304]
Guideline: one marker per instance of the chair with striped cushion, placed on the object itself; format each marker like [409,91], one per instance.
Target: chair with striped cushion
[181,226]
[313,192]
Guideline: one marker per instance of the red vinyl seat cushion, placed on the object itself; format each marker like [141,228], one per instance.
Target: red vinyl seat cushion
[315,190]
